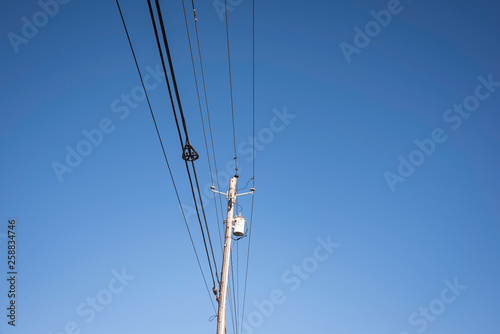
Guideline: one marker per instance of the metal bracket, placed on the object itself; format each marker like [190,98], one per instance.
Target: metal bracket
[226,193]
[251,192]
[218,192]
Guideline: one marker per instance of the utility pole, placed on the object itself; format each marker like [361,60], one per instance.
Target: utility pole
[231,196]
[221,317]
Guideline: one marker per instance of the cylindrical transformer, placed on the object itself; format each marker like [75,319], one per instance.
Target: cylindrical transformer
[239,226]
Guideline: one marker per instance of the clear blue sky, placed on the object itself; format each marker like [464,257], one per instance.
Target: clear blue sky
[379,157]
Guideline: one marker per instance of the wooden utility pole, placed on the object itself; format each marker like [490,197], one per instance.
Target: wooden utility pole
[231,200]
[221,316]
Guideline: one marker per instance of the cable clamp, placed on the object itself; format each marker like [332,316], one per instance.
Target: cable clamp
[189,153]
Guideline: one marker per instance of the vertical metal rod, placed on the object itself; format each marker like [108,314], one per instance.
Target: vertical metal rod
[221,317]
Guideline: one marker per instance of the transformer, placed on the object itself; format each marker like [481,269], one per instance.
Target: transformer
[239,226]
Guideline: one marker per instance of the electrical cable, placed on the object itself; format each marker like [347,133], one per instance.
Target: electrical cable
[202,121]
[231,90]
[174,81]
[234,294]
[246,185]
[165,72]
[230,307]
[208,113]
[205,218]
[172,73]
[164,153]
[185,132]
[253,157]
[238,275]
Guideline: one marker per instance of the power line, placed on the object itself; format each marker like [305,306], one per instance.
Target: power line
[172,73]
[234,294]
[174,81]
[230,301]
[208,112]
[238,275]
[189,154]
[248,258]
[204,217]
[235,297]
[164,153]
[165,72]
[253,157]
[187,145]
[201,115]
[231,89]
[253,93]
[196,84]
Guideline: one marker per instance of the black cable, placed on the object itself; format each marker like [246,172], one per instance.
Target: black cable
[230,307]
[234,294]
[174,81]
[172,73]
[196,83]
[253,93]
[202,121]
[234,134]
[246,185]
[231,89]
[205,219]
[237,275]
[201,226]
[208,113]
[248,258]
[241,208]
[185,132]
[164,154]
[253,156]
[165,72]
